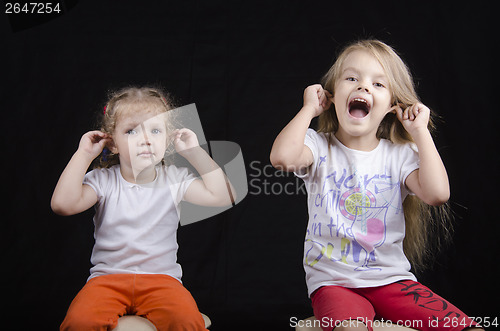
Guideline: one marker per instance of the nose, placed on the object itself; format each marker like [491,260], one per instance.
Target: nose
[145,141]
[363,87]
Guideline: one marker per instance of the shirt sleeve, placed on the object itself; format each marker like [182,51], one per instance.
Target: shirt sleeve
[410,162]
[92,179]
[179,179]
[311,140]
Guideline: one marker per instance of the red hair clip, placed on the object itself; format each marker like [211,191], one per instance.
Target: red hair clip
[104,111]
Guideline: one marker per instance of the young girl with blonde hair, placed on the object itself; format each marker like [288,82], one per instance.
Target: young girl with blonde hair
[372,172]
[136,197]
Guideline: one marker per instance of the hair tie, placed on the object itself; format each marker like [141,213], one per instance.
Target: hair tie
[105,154]
[104,111]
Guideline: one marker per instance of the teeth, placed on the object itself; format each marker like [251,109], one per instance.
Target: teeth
[360,100]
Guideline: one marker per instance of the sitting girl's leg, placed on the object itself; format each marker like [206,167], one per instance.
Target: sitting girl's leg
[416,305]
[99,303]
[341,308]
[166,303]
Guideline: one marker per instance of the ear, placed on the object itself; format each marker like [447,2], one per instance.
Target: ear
[112,147]
[330,96]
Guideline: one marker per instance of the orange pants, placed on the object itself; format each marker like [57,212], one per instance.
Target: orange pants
[159,298]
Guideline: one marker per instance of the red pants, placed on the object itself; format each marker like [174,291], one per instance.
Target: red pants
[406,303]
[159,298]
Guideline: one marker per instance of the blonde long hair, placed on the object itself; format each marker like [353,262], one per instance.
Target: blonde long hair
[427,227]
[128,101]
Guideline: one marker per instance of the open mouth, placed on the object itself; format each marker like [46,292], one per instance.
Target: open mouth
[359,108]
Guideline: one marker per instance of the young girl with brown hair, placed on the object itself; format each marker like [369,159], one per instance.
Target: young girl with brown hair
[371,171]
[136,197]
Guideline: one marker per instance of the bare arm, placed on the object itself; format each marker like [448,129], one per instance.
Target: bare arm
[214,189]
[289,152]
[430,181]
[71,196]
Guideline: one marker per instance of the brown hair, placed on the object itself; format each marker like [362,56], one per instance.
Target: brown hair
[425,225]
[132,100]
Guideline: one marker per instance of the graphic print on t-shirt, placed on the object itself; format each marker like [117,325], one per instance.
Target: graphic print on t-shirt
[357,205]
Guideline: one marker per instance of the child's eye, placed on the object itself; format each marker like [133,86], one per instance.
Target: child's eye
[131,131]
[351,79]
[156,131]
[378,85]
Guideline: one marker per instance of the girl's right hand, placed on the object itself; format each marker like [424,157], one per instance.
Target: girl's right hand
[317,99]
[93,142]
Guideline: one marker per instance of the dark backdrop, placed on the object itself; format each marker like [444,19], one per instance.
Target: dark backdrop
[245,65]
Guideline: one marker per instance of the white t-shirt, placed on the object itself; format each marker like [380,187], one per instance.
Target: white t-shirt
[136,225]
[356,224]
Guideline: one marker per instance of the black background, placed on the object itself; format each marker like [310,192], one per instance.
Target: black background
[245,65]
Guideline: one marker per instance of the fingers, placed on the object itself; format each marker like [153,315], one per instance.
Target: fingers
[97,136]
[101,139]
[317,99]
[327,102]
[324,98]
[311,89]
[399,112]
[185,141]
[409,114]
[179,133]
[185,138]
[105,140]
[93,142]
[413,112]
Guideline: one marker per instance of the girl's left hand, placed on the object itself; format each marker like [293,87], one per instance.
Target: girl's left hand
[184,141]
[414,118]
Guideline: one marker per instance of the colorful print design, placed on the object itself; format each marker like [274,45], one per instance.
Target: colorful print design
[357,206]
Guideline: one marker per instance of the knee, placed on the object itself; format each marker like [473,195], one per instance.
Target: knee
[80,322]
[188,321]
[88,319]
